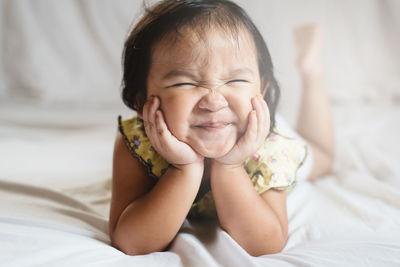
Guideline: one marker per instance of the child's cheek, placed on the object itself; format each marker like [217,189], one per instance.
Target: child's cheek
[176,114]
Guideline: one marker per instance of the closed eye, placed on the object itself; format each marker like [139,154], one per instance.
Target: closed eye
[182,84]
[238,81]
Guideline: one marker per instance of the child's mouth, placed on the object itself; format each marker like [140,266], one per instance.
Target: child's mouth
[213,126]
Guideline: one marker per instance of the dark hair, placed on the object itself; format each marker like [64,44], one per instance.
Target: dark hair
[170,16]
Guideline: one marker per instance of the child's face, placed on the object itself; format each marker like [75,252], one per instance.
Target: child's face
[205,86]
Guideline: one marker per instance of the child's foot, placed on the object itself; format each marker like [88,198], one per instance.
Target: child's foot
[308,43]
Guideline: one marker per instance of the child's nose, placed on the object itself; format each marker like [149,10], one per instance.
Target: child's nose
[213,101]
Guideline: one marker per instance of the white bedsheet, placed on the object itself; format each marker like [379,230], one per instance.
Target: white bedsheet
[55,168]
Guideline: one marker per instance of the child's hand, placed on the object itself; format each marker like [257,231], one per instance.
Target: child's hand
[174,151]
[254,137]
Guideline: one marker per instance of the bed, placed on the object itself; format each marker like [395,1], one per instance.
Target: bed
[58,121]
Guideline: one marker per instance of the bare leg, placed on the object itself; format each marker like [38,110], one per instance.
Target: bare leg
[315,120]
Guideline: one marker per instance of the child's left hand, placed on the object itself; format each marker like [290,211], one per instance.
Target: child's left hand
[254,137]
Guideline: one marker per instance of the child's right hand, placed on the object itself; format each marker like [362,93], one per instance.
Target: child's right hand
[167,145]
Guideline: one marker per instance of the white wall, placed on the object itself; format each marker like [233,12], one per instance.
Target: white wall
[68,51]
[361,50]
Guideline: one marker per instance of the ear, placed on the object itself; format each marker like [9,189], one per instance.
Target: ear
[264,90]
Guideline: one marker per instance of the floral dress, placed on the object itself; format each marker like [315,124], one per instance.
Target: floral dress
[273,166]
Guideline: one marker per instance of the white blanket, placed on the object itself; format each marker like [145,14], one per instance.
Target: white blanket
[55,191]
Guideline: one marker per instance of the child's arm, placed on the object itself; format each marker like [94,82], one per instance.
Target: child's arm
[145,219]
[315,119]
[257,223]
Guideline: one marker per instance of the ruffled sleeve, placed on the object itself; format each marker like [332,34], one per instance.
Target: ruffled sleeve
[275,164]
[139,145]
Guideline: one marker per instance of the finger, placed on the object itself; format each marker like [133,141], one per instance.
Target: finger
[152,111]
[266,117]
[169,142]
[257,105]
[149,123]
[162,129]
[251,133]
[154,136]
[145,111]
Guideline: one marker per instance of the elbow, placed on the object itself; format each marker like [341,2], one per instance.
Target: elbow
[133,247]
[277,248]
[126,248]
[274,244]
[133,250]
[130,251]
[257,244]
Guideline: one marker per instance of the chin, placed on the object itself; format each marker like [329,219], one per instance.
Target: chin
[216,150]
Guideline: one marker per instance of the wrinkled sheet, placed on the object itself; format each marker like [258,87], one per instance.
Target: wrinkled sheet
[55,169]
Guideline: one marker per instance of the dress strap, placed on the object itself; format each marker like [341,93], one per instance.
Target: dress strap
[139,145]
